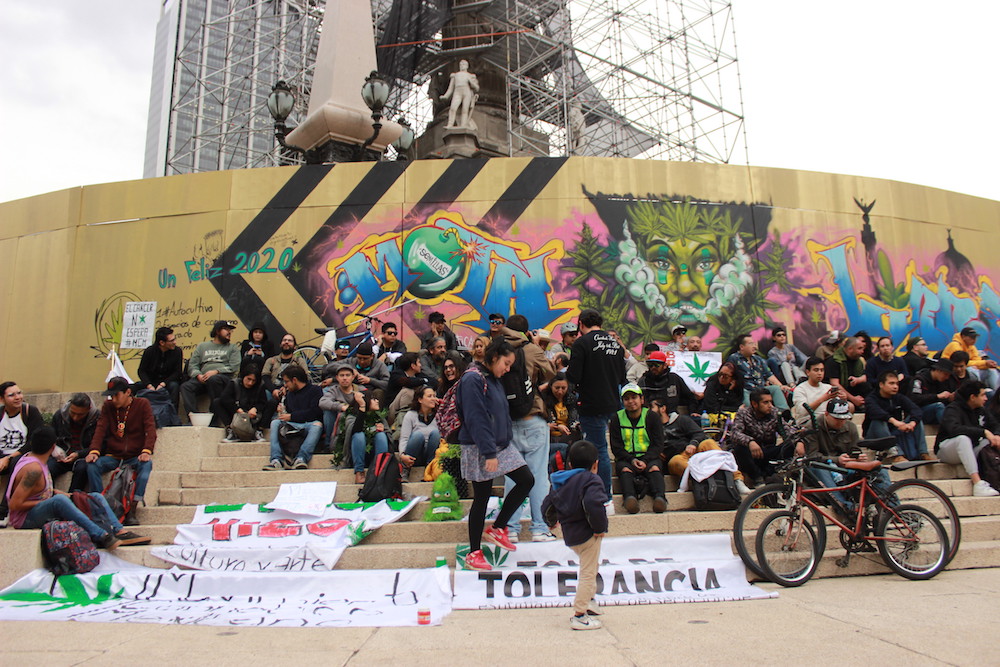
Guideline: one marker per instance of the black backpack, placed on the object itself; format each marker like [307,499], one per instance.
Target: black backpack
[989,466]
[518,386]
[717,492]
[383,480]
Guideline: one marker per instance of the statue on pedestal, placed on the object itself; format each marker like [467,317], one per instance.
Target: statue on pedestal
[463,92]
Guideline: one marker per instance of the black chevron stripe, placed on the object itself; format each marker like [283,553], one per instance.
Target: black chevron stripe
[520,194]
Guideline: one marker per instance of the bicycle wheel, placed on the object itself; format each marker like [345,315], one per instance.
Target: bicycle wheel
[754,509]
[315,360]
[929,496]
[919,546]
[787,548]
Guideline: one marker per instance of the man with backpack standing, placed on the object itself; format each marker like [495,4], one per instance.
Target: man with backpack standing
[530,369]
[597,369]
[126,433]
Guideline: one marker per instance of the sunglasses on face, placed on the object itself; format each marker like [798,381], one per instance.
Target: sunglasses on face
[496,321]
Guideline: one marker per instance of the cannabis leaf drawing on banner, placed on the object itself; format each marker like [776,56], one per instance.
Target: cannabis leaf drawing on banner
[76,594]
[699,371]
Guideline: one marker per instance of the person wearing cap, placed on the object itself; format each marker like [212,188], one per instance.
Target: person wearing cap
[678,344]
[809,400]
[372,373]
[497,322]
[125,433]
[981,368]
[162,365]
[390,346]
[438,329]
[784,359]
[888,413]
[836,437]
[637,369]
[966,428]
[662,384]
[34,502]
[829,344]
[886,360]
[530,431]
[568,334]
[934,388]
[213,364]
[597,370]
[636,434]
[917,356]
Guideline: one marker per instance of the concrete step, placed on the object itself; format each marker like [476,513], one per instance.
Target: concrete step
[932,471]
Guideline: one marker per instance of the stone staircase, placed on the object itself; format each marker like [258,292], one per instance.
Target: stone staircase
[192,467]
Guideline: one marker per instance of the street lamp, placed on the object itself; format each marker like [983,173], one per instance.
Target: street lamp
[280,103]
[402,145]
[375,93]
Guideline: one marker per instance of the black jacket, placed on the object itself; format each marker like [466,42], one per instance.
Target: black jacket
[597,369]
[959,419]
[721,399]
[680,433]
[62,425]
[576,501]
[157,366]
[237,397]
[895,407]
[926,388]
[668,388]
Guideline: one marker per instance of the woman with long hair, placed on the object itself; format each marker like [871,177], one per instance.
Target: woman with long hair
[485,437]
[451,371]
[479,347]
[723,391]
[419,435]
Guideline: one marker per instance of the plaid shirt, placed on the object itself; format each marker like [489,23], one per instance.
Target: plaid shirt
[764,431]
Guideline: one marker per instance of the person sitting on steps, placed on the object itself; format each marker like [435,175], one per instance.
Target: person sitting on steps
[636,435]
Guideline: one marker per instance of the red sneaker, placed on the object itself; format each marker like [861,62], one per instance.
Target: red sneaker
[498,536]
[476,561]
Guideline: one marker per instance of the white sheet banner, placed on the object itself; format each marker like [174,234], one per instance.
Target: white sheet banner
[304,498]
[119,592]
[694,367]
[634,570]
[252,538]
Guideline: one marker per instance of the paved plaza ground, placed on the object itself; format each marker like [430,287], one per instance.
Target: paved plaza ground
[855,620]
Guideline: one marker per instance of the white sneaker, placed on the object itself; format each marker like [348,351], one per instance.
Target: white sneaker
[543,537]
[585,622]
[513,537]
[983,489]
[742,488]
[609,507]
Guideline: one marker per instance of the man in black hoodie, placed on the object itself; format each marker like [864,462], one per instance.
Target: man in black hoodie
[74,425]
[162,365]
[966,428]
[597,369]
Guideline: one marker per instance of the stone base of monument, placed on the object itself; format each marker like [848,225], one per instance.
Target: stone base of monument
[460,142]
[491,137]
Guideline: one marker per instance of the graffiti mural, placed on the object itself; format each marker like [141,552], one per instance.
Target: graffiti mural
[720,250]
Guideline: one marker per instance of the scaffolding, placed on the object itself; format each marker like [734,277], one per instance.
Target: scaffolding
[627,78]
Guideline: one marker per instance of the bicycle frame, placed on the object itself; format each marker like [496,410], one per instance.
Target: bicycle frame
[867,496]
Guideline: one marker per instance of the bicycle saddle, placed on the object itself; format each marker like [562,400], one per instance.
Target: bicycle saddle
[909,465]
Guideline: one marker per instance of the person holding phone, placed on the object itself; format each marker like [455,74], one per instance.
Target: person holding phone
[813,393]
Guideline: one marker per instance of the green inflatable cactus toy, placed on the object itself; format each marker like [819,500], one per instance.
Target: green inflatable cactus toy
[445,505]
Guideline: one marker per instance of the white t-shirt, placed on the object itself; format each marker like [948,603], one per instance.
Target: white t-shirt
[13,433]
[806,393]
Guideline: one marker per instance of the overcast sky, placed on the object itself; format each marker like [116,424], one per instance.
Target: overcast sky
[895,89]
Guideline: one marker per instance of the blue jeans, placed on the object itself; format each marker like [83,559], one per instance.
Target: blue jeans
[911,445]
[880,482]
[988,376]
[933,412]
[595,429]
[106,463]
[423,448]
[313,431]
[62,508]
[531,438]
[776,394]
[380,444]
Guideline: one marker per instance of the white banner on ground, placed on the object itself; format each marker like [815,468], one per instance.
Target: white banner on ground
[655,569]
[252,538]
[694,367]
[119,592]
